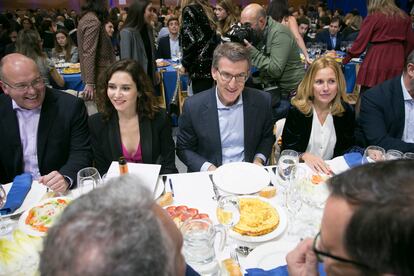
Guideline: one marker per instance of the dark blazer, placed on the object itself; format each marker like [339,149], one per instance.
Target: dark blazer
[324,37]
[156,142]
[198,138]
[382,117]
[298,127]
[62,139]
[164,50]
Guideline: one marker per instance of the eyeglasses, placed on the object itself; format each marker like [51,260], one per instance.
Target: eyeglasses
[23,87]
[227,77]
[322,255]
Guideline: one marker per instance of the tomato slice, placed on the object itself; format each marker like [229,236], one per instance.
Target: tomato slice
[203,216]
[170,208]
[192,211]
[181,208]
[184,216]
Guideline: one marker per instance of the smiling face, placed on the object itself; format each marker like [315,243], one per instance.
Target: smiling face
[109,28]
[325,87]
[122,92]
[17,71]
[61,39]
[229,91]
[173,27]
[220,13]
[149,13]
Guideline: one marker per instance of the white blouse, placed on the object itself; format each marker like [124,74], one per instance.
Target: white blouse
[323,137]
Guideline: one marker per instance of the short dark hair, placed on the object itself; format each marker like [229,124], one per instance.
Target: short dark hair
[112,230]
[409,59]
[380,232]
[335,19]
[146,104]
[303,20]
[233,51]
[172,18]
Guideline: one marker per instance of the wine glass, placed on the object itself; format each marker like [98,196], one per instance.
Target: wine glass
[408,155]
[393,154]
[294,199]
[373,154]
[228,210]
[5,223]
[88,179]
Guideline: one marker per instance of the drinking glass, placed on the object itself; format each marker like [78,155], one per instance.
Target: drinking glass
[408,155]
[286,166]
[294,199]
[5,223]
[344,45]
[373,154]
[393,155]
[228,210]
[88,179]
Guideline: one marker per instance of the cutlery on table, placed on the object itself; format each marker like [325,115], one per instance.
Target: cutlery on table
[244,250]
[216,192]
[164,179]
[171,187]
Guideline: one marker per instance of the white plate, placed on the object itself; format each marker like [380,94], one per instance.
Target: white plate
[241,178]
[36,193]
[269,255]
[29,230]
[274,234]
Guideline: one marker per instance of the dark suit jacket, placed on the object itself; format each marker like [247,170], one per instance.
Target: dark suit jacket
[156,142]
[164,50]
[298,127]
[325,37]
[382,117]
[62,138]
[198,138]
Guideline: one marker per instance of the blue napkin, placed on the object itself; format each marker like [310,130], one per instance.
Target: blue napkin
[20,187]
[278,271]
[353,159]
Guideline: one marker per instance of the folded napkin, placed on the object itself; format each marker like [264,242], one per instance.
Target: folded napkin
[20,187]
[278,271]
[353,159]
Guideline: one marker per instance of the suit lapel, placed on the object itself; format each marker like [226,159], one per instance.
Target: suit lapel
[114,137]
[211,124]
[398,106]
[249,115]
[146,140]
[47,117]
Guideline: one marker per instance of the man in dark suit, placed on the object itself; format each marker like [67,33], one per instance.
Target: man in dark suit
[386,117]
[43,131]
[227,123]
[331,36]
[168,46]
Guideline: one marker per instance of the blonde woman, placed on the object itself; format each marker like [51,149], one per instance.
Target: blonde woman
[388,31]
[279,11]
[320,125]
[198,41]
[227,14]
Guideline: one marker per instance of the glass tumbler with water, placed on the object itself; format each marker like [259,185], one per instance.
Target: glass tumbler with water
[286,166]
[88,179]
[199,236]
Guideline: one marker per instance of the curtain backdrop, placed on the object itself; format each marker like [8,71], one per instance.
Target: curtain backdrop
[349,5]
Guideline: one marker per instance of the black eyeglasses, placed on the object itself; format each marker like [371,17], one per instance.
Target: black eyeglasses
[322,255]
[227,77]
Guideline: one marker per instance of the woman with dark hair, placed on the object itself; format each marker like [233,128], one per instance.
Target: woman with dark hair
[47,33]
[279,11]
[64,47]
[29,44]
[94,45]
[137,39]
[130,124]
[198,41]
[227,14]
[27,24]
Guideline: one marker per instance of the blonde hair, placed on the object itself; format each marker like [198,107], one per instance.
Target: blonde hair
[386,7]
[303,100]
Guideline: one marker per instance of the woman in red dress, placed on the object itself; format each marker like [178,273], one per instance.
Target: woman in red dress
[387,33]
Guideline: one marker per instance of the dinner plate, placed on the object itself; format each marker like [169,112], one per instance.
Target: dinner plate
[241,178]
[34,196]
[29,230]
[269,255]
[274,234]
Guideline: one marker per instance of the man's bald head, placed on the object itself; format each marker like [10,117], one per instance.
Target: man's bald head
[255,15]
[15,62]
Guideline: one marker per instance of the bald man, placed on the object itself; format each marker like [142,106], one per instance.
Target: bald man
[276,57]
[43,131]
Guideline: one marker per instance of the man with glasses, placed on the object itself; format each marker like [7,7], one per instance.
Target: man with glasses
[227,123]
[43,131]
[367,226]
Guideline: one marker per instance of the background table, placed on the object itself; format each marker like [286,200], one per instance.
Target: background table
[73,81]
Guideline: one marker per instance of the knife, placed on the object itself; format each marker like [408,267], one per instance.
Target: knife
[216,192]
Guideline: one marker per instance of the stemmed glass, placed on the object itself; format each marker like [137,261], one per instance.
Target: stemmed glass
[294,199]
[228,211]
[286,168]
[408,155]
[88,179]
[393,154]
[5,223]
[373,154]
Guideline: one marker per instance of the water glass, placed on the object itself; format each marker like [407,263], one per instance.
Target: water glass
[393,155]
[88,179]
[198,249]
[294,199]
[286,166]
[228,210]
[373,154]
[408,155]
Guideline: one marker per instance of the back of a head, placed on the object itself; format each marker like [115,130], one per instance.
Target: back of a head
[278,10]
[28,43]
[136,11]
[380,233]
[109,231]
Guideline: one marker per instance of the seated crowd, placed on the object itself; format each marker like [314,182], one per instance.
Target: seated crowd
[241,88]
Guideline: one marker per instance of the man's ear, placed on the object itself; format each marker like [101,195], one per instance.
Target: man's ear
[410,70]
[214,73]
[4,87]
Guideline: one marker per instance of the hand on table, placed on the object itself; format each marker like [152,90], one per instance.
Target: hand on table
[258,161]
[212,168]
[88,92]
[54,181]
[316,163]
[302,260]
